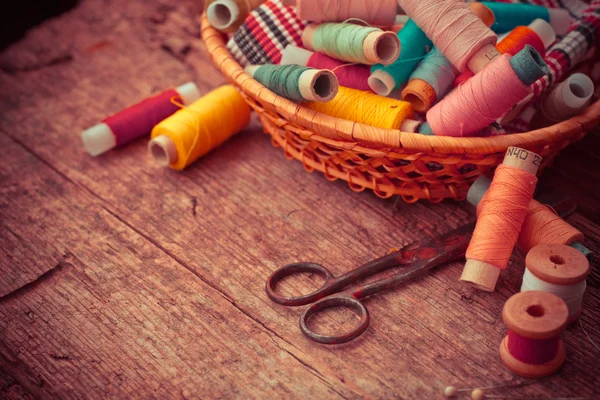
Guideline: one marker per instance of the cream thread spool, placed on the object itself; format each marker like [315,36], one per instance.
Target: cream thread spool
[227,15]
[478,272]
[376,13]
[534,317]
[378,47]
[560,270]
[567,99]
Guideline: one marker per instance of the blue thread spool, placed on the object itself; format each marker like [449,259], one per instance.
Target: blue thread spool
[510,15]
[414,44]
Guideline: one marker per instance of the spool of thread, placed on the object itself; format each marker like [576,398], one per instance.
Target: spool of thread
[369,109]
[500,218]
[352,43]
[295,82]
[193,131]
[539,34]
[137,120]
[510,15]
[265,33]
[541,225]
[435,74]
[415,44]
[379,13]
[560,270]
[487,96]
[349,75]
[455,31]
[565,100]
[228,15]
[533,347]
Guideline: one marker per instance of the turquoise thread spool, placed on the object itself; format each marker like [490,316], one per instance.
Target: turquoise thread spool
[510,15]
[352,43]
[415,44]
[295,82]
[430,81]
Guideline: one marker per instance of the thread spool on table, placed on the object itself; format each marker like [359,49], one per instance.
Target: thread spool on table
[352,43]
[565,100]
[455,31]
[541,225]
[380,13]
[296,82]
[510,15]
[195,130]
[560,270]
[349,75]
[533,347]
[136,121]
[490,250]
[228,15]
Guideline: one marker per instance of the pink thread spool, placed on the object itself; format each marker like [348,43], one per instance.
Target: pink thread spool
[378,13]
[487,96]
[354,76]
[137,120]
[455,31]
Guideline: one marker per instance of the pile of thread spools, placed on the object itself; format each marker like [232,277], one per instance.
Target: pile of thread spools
[432,67]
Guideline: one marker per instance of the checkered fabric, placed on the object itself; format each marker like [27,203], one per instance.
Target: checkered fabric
[265,33]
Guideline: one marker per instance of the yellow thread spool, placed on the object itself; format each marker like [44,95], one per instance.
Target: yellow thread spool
[193,131]
[369,109]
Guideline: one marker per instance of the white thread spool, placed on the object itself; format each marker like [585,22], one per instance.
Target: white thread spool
[568,98]
[560,270]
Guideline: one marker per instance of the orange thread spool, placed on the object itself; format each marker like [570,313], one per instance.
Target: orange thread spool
[501,218]
[518,38]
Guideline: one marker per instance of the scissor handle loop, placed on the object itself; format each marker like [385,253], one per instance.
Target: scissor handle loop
[338,300]
[292,269]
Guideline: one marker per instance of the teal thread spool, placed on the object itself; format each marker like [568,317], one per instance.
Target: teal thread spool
[430,81]
[414,44]
[352,43]
[295,82]
[510,15]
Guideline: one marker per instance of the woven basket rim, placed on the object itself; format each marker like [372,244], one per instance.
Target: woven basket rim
[350,135]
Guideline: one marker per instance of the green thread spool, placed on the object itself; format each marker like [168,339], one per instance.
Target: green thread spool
[352,43]
[295,82]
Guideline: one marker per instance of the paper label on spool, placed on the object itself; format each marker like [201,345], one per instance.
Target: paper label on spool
[522,159]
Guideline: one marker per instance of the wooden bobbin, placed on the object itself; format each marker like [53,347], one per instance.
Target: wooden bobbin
[558,264]
[480,273]
[534,315]
[378,47]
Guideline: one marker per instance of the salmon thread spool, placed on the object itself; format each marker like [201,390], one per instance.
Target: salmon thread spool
[193,131]
[560,270]
[487,96]
[353,76]
[352,43]
[501,218]
[136,121]
[533,347]
[378,13]
[432,79]
[455,31]
[541,224]
[227,15]
[369,109]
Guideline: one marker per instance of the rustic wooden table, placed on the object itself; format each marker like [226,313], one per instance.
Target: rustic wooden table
[119,278]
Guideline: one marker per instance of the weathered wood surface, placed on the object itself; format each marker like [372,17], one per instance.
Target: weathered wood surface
[123,279]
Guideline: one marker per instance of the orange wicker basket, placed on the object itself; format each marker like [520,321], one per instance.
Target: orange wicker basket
[387,161]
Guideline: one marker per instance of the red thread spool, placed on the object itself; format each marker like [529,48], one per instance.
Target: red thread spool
[533,347]
[352,76]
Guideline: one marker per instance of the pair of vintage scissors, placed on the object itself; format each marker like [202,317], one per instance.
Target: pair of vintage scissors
[414,261]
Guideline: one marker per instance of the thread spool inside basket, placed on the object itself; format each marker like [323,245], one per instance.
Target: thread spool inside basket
[560,270]
[533,347]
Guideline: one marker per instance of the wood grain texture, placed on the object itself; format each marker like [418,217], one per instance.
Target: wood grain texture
[129,280]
